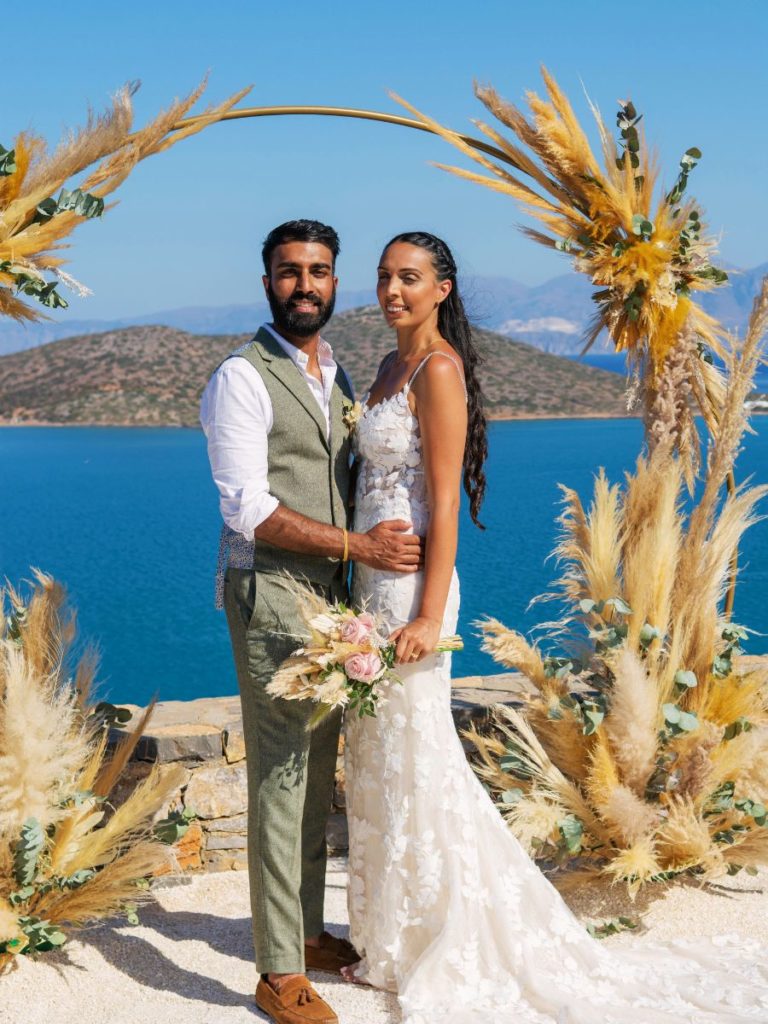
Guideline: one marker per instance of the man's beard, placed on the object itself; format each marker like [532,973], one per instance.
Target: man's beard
[301,325]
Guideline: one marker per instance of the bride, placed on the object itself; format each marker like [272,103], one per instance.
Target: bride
[446,909]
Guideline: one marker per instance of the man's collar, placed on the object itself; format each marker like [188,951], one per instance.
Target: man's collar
[299,357]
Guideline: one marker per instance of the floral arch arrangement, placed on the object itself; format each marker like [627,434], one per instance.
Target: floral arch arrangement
[644,753]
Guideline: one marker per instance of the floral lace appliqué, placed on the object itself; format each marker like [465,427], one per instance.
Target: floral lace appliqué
[445,905]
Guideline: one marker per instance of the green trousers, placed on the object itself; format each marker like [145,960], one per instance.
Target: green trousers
[290,772]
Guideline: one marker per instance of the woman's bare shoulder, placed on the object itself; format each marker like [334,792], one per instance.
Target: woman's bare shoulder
[442,372]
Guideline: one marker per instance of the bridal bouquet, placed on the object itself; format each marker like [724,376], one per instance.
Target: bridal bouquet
[346,661]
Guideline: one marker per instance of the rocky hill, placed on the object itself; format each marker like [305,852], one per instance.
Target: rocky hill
[153,376]
[552,316]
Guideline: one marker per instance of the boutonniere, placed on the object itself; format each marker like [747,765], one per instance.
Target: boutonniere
[350,414]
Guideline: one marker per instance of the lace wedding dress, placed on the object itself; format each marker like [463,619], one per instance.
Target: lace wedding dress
[445,906]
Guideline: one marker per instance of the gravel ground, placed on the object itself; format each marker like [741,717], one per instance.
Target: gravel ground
[190,958]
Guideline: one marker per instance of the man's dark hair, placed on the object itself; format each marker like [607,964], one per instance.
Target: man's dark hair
[299,231]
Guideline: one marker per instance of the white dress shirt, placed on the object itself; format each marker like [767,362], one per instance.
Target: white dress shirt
[236,416]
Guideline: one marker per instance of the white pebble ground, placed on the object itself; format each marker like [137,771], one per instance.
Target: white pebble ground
[190,958]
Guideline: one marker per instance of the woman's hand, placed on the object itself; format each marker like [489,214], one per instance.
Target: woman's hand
[415,641]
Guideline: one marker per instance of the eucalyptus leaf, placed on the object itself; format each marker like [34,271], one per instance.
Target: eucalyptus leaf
[40,289]
[721,666]
[736,728]
[41,934]
[78,878]
[7,162]
[731,632]
[721,800]
[21,895]
[685,680]
[27,849]
[754,809]
[81,797]
[648,634]
[592,719]
[511,796]
[559,668]
[612,927]
[725,836]
[172,828]
[679,721]
[705,355]
[712,274]
[572,832]
[76,201]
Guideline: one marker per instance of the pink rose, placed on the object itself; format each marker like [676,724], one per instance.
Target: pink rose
[363,667]
[354,631]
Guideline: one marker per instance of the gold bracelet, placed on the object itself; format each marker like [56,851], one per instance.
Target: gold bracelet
[345,556]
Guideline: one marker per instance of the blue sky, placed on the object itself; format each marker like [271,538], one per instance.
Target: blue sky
[190,222]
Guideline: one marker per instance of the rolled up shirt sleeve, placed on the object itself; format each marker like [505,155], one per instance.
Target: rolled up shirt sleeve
[236,416]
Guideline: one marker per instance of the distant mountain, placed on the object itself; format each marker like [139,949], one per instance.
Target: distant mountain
[153,376]
[206,320]
[552,316]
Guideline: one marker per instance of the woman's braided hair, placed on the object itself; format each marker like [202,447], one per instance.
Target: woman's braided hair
[454,326]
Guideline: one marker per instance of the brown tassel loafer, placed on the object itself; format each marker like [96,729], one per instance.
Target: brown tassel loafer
[331,955]
[295,1003]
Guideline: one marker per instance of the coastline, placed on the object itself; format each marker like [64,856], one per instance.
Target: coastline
[518,417]
[189,426]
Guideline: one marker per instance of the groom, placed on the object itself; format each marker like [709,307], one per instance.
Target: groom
[273,414]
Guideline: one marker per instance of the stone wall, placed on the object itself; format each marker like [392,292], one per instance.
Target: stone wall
[205,737]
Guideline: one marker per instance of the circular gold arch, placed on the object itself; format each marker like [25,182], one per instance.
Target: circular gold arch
[408,122]
[355,112]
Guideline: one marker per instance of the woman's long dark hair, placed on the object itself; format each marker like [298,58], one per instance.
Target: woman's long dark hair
[454,326]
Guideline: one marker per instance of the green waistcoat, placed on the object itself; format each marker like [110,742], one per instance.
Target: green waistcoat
[308,472]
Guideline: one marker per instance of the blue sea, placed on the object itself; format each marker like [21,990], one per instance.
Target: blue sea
[128,520]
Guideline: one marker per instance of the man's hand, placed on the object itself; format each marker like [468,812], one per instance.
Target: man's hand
[387,546]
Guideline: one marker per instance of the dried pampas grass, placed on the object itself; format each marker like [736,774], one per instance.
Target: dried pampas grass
[41,740]
[646,252]
[35,221]
[653,742]
[535,821]
[66,855]
[632,727]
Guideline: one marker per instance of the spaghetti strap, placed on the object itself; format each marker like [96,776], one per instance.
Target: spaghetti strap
[426,360]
